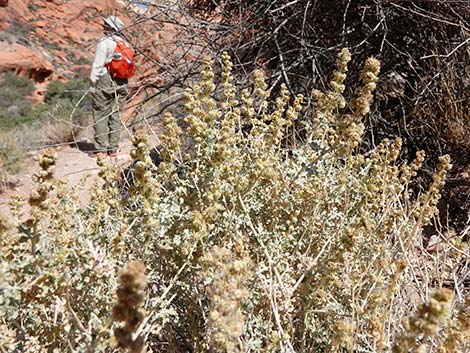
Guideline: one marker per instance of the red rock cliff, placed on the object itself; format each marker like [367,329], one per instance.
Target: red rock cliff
[52,39]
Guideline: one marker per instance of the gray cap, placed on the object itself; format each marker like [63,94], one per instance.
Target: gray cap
[114,22]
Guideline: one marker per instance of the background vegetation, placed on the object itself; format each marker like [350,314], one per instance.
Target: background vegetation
[60,119]
[15,107]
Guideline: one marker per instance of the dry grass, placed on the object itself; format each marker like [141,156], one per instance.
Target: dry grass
[442,106]
[11,158]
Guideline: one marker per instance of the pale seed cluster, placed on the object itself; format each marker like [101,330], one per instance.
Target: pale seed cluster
[352,128]
[458,335]
[360,105]
[201,107]
[44,178]
[261,91]
[106,195]
[276,118]
[170,139]
[226,294]
[326,103]
[430,317]
[39,197]
[229,99]
[146,188]
[407,172]
[428,202]
[130,297]
[325,117]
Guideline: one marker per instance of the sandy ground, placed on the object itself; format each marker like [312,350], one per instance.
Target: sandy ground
[72,165]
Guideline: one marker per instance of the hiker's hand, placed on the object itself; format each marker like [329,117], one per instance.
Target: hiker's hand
[92,91]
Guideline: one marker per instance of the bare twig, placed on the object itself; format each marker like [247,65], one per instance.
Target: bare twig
[448,54]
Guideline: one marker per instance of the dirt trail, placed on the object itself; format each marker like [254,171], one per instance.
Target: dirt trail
[72,165]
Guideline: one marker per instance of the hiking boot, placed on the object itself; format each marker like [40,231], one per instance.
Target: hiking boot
[113,153]
[94,154]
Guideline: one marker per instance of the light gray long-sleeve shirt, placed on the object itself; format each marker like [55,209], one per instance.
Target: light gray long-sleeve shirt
[103,55]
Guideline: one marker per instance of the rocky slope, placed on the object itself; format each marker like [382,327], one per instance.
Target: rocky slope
[53,39]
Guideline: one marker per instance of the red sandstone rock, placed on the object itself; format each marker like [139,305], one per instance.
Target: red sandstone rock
[55,2]
[39,24]
[62,30]
[65,33]
[16,10]
[25,62]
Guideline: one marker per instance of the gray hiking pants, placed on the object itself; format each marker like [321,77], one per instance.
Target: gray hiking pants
[107,105]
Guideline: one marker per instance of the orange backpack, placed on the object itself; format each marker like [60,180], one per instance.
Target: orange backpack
[122,65]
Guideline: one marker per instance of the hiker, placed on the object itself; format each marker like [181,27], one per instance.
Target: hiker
[109,78]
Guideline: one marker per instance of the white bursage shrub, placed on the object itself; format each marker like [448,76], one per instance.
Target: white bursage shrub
[271,233]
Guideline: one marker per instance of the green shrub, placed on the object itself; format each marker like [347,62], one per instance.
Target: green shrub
[250,246]
[12,157]
[65,107]
[64,123]
[72,91]
[15,107]
[82,61]
[14,87]
[15,111]
[61,118]
[20,30]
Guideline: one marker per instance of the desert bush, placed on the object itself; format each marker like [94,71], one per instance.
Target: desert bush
[258,246]
[19,31]
[11,158]
[67,108]
[15,108]
[63,123]
[61,118]
[70,90]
